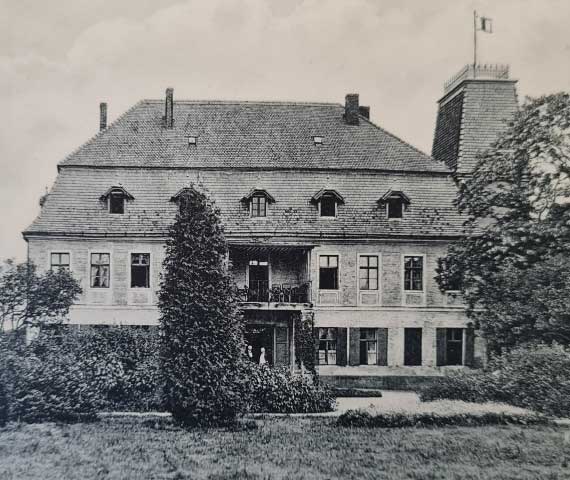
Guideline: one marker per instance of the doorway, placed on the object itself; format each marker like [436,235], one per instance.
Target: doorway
[412,346]
[259,280]
[259,336]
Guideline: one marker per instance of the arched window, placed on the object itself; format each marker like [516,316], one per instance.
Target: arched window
[115,198]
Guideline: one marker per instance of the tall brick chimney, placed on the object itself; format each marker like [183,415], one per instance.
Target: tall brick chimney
[102,116]
[351,109]
[169,108]
[476,106]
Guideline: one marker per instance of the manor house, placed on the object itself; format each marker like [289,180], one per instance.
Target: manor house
[330,219]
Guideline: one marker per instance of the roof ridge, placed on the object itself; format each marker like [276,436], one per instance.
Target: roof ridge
[241,102]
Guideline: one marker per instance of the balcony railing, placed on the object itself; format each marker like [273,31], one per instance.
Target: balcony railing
[496,72]
[261,292]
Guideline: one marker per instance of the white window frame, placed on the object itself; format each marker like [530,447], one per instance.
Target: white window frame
[110,253]
[403,283]
[251,207]
[129,274]
[358,290]
[49,267]
[329,290]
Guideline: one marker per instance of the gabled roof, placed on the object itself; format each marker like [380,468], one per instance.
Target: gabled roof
[248,135]
[394,194]
[117,189]
[258,191]
[321,193]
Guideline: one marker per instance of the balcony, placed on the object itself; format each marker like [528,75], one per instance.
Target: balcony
[272,276]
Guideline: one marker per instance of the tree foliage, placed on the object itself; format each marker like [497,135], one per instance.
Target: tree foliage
[202,347]
[30,298]
[513,263]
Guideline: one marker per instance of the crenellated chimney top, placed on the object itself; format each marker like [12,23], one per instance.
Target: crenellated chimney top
[102,116]
[351,109]
[169,108]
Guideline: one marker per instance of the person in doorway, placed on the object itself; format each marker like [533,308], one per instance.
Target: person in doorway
[250,353]
[262,360]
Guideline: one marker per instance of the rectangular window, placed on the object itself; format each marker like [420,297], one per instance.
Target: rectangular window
[140,270]
[368,272]
[368,346]
[60,261]
[258,206]
[395,208]
[327,346]
[116,202]
[100,270]
[328,206]
[328,272]
[413,273]
[454,346]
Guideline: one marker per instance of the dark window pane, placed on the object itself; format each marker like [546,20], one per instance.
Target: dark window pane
[413,273]
[140,270]
[328,206]
[395,208]
[116,203]
[328,278]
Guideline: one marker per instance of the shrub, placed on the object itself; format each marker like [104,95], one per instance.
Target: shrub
[277,390]
[361,418]
[202,331]
[532,376]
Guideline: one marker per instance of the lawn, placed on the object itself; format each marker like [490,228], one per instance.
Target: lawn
[291,448]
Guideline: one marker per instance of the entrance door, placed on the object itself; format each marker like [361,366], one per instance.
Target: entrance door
[412,346]
[259,281]
[259,336]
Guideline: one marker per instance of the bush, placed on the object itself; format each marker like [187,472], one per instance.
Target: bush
[277,390]
[3,402]
[532,376]
[361,418]
[202,341]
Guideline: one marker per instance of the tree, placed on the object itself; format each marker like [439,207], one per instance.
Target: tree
[513,263]
[202,346]
[29,298]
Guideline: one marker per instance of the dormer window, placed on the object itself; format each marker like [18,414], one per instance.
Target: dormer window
[192,141]
[396,203]
[181,198]
[327,201]
[258,201]
[318,140]
[116,197]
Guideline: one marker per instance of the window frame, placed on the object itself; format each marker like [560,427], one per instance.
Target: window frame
[367,268]
[335,203]
[393,199]
[327,342]
[58,252]
[251,205]
[403,272]
[116,193]
[149,274]
[368,341]
[326,254]
[90,266]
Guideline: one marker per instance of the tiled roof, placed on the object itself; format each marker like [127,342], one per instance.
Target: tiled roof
[74,207]
[248,135]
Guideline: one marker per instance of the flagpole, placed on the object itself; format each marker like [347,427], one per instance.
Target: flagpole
[474,43]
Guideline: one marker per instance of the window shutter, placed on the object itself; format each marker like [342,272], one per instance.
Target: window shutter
[382,346]
[281,346]
[354,354]
[341,346]
[315,344]
[441,345]
[470,347]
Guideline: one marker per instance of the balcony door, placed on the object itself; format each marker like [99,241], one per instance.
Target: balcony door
[259,280]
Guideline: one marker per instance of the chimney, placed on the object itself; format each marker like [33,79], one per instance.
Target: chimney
[102,116]
[169,109]
[351,109]
[364,112]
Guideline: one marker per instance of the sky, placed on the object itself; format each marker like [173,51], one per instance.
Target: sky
[59,59]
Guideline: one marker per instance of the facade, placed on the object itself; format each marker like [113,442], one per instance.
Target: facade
[330,220]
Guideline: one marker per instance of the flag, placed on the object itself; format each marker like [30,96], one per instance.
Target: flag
[486,24]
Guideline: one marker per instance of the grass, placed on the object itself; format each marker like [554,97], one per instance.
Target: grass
[291,448]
